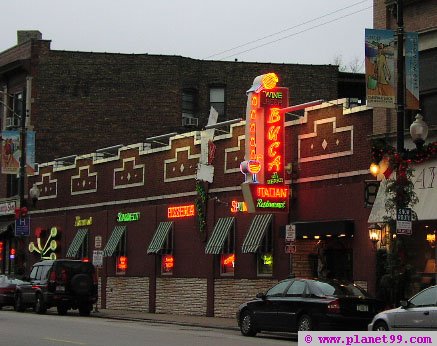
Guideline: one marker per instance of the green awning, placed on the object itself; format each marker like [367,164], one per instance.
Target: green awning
[256,233]
[218,236]
[113,241]
[159,237]
[77,242]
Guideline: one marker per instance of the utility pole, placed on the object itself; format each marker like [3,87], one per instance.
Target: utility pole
[22,171]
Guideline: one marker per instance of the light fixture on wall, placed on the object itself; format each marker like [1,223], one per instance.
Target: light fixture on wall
[430,238]
[34,193]
[375,233]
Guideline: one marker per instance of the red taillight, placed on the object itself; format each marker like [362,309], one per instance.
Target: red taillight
[64,276]
[334,307]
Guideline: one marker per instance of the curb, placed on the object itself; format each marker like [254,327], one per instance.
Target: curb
[161,321]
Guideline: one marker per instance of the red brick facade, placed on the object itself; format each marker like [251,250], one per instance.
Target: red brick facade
[330,153]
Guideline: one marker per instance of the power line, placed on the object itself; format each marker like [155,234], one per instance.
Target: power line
[287,29]
[296,33]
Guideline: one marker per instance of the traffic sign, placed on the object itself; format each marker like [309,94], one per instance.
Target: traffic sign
[22,226]
[98,258]
[290,233]
[290,249]
[403,221]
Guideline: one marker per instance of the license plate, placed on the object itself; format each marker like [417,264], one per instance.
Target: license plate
[362,307]
[60,289]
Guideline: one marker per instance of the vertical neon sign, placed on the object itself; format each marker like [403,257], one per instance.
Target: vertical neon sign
[264,187]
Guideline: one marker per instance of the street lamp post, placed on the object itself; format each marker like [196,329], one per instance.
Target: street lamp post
[22,172]
[400,89]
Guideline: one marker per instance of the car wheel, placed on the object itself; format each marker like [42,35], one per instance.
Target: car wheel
[84,310]
[247,324]
[18,304]
[305,323]
[380,325]
[40,307]
[62,309]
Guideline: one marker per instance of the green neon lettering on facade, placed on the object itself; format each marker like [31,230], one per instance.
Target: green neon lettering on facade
[128,217]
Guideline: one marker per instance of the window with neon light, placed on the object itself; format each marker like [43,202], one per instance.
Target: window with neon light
[265,253]
[227,256]
[121,265]
[167,264]
[227,264]
[167,258]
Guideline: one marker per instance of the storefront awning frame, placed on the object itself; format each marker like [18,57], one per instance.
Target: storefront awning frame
[76,243]
[113,241]
[256,233]
[324,229]
[160,237]
[219,235]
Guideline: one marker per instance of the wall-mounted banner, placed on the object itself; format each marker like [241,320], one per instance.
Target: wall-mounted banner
[11,152]
[412,70]
[7,207]
[380,65]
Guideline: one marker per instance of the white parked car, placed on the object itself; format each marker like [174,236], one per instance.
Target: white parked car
[418,313]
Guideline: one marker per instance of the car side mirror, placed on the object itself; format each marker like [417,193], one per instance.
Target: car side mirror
[261,295]
[404,304]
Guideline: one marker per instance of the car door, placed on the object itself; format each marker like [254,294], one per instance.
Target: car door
[420,313]
[266,313]
[289,304]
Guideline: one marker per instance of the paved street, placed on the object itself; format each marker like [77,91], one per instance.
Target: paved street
[32,329]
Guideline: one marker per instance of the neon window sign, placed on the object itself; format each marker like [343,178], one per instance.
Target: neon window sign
[121,265]
[180,211]
[167,264]
[227,263]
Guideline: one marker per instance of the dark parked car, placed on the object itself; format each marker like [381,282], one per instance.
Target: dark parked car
[7,290]
[64,284]
[418,313]
[306,304]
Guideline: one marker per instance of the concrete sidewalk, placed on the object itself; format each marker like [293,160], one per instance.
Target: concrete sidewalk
[186,320]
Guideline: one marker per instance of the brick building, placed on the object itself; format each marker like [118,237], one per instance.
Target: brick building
[138,203]
[79,102]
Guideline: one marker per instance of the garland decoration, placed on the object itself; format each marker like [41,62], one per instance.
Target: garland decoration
[400,190]
[397,278]
[200,203]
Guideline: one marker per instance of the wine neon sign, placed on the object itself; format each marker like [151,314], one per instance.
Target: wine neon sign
[180,211]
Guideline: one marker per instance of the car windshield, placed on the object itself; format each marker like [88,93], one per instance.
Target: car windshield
[338,289]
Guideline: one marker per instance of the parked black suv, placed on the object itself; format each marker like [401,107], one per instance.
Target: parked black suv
[66,284]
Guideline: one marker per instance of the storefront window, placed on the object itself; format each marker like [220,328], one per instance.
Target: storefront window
[265,253]
[167,264]
[83,250]
[227,264]
[265,263]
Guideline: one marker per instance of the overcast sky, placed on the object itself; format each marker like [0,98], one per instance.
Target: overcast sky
[280,31]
